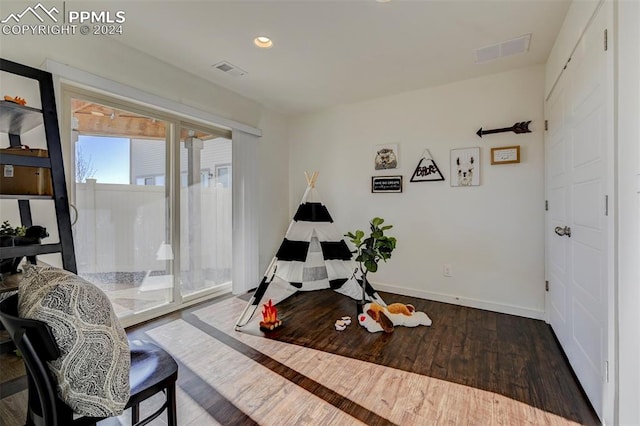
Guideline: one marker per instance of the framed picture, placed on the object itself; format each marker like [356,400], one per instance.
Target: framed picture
[505,155]
[386,156]
[465,167]
[386,184]
[427,170]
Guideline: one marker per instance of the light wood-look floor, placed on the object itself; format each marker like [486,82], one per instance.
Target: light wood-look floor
[232,378]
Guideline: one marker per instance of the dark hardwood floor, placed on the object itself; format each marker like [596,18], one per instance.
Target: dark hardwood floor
[508,355]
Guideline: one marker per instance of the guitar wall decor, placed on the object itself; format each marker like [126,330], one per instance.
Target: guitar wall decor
[521,127]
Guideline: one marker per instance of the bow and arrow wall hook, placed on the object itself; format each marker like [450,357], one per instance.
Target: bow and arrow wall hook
[521,127]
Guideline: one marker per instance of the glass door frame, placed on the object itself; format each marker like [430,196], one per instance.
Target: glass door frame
[190,125]
[172,185]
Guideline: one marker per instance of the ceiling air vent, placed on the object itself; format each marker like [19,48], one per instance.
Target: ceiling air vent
[230,69]
[506,48]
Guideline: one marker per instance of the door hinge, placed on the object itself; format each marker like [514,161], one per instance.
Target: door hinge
[606,205]
[606,371]
[546,285]
[546,124]
[606,42]
[546,205]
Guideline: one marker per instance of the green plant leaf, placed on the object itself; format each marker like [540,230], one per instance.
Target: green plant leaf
[371,266]
[356,239]
[369,252]
[377,221]
[374,248]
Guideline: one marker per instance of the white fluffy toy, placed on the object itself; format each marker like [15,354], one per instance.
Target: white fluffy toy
[384,318]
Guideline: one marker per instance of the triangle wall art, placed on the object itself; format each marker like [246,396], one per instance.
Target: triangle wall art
[427,170]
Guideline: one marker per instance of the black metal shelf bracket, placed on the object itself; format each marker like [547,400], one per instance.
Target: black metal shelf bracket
[15,120]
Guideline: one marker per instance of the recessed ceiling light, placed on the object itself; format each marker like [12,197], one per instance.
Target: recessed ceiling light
[264,42]
[383,1]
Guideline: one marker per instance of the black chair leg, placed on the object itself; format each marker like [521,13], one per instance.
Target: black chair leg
[172,418]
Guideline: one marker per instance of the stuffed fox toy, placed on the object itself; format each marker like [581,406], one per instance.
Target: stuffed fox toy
[384,318]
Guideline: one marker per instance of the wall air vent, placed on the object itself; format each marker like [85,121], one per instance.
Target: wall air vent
[230,69]
[506,48]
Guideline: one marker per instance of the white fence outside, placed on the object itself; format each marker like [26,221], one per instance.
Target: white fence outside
[120,228]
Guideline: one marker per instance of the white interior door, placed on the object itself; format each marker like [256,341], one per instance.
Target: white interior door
[578,238]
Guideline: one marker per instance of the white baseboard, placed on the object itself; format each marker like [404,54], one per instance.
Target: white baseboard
[462,301]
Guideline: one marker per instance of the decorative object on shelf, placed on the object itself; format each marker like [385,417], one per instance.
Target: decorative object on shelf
[427,170]
[270,319]
[377,318]
[7,235]
[7,230]
[16,100]
[465,167]
[521,127]
[19,236]
[386,156]
[371,250]
[505,155]
[386,184]
[23,180]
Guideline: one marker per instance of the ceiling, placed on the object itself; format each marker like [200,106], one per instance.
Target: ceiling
[328,53]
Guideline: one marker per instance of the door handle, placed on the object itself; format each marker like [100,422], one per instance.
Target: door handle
[563,231]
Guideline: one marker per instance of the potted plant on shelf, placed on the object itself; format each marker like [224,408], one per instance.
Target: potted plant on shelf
[7,236]
[371,250]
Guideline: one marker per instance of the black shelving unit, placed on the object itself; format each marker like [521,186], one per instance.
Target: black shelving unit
[16,120]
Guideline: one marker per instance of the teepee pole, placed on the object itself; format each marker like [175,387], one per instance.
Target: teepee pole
[251,305]
[311,180]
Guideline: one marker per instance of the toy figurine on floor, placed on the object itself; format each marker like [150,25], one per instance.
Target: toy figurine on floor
[376,317]
[270,319]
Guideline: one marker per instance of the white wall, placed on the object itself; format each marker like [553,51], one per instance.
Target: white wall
[492,235]
[106,57]
[273,167]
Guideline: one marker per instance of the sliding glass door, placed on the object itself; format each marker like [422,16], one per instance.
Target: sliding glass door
[121,197]
[153,196]
[205,210]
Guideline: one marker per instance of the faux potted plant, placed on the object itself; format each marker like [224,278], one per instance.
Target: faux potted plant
[371,250]
[9,231]
[7,235]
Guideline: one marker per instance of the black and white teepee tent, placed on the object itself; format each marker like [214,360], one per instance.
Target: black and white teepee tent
[313,256]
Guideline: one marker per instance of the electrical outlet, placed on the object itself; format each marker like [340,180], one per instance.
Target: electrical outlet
[447,270]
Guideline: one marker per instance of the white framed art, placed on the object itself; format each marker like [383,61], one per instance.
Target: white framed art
[465,167]
[386,156]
